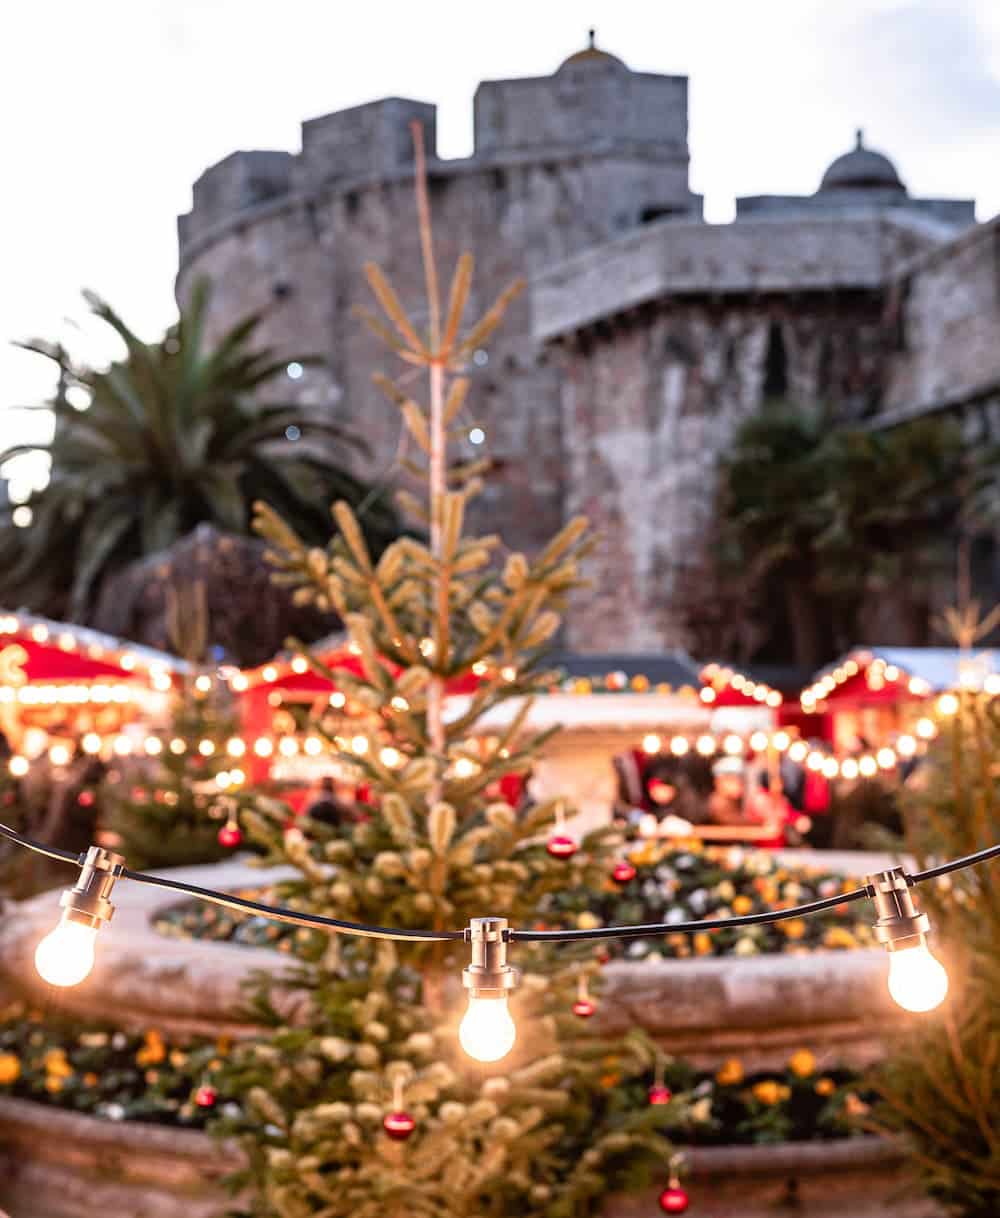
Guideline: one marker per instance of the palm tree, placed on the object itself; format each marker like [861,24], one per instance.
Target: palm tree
[822,521]
[178,433]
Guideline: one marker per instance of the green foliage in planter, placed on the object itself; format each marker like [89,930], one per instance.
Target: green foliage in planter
[940,1086]
[682,882]
[98,1070]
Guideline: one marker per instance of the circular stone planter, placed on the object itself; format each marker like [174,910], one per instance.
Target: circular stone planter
[63,1165]
[759,1008]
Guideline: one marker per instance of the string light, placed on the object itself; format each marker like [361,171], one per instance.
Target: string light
[66,955]
[203,683]
[487,1032]
[651,744]
[916,981]
[236,747]
[947,704]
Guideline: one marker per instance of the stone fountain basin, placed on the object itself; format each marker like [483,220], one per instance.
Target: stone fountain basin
[758,1008]
[57,1164]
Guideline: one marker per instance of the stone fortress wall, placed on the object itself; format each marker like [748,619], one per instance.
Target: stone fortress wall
[646,335]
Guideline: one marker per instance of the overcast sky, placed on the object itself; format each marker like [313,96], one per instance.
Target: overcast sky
[113,107]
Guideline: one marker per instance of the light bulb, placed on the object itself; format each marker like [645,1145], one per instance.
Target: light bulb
[917,981]
[66,955]
[487,1031]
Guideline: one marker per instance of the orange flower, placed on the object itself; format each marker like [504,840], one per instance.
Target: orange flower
[10,1068]
[702,944]
[839,936]
[825,1086]
[770,1092]
[802,1063]
[90,1079]
[56,1065]
[855,1106]
[794,928]
[610,1080]
[730,1073]
[223,1045]
[742,905]
[53,1083]
[153,1050]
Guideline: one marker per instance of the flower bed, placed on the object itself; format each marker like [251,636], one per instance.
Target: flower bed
[144,1076]
[671,884]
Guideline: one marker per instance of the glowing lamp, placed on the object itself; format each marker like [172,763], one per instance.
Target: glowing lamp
[66,955]
[917,982]
[487,1032]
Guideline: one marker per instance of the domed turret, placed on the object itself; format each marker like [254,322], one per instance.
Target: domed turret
[592,56]
[862,169]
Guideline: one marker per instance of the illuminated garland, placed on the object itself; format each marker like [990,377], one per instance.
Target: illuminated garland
[267,747]
[917,982]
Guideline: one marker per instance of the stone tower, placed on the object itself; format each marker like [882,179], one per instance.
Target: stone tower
[561,163]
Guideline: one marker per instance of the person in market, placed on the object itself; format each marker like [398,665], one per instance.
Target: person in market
[329,807]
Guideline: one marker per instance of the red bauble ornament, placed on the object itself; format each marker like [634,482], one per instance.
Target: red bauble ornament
[623,872]
[398,1125]
[584,1007]
[230,835]
[85,799]
[658,1094]
[205,1097]
[561,847]
[674,1200]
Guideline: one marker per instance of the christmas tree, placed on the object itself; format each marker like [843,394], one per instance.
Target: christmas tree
[363,1104]
[178,802]
[941,1083]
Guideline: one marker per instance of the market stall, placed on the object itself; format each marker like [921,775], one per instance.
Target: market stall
[66,689]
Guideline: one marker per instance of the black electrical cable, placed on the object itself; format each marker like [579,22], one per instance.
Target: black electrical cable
[292,916]
[49,851]
[969,860]
[683,928]
[318,922]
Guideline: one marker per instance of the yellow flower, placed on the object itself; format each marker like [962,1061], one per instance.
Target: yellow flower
[742,905]
[588,921]
[730,1073]
[794,928]
[56,1065]
[770,1092]
[802,1063]
[178,1058]
[53,1083]
[825,1086]
[10,1068]
[153,1050]
[766,889]
[702,943]
[839,936]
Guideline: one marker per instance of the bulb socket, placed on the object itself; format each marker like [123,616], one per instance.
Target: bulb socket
[88,901]
[489,975]
[900,924]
